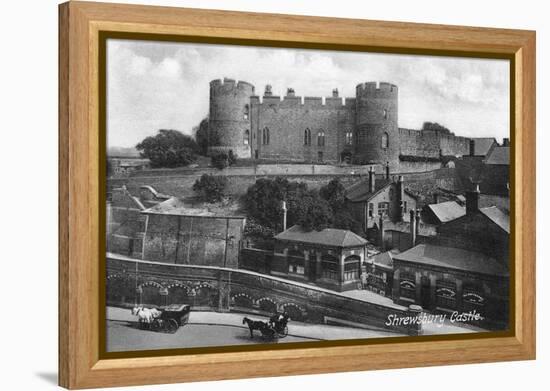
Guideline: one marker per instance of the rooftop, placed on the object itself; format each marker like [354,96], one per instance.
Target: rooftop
[384,259]
[453,258]
[360,191]
[497,216]
[405,227]
[482,145]
[499,156]
[328,236]
[447,211]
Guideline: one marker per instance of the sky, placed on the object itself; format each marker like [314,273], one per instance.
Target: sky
[159,85]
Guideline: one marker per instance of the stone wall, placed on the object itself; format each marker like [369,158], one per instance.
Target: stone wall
[131,282]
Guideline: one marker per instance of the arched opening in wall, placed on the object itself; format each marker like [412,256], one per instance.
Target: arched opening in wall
[352,268]
[385,140]
[178,295]
[267,305]
[242,300]
[246,111]
[150,296]
[321,138]
[246,137]
[265,136]
[206,296]
[307,137]
[385,114]
[294,312]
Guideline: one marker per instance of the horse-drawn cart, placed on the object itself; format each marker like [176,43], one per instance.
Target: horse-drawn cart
[276,327]
[171,318]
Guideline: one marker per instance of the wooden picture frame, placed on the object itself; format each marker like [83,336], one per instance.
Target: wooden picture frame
[81,160]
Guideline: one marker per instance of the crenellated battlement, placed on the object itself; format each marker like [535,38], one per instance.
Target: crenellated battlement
[376,88]
[228,84]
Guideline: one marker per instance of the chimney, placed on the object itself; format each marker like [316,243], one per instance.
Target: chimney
[472,200]
[372,180]
[387,170]
[268,91]
[436,198]
[381,228]
[283,206]
[400,198]
[290,92]
[335,93]
[472,148]
[417,227]
[413,228]
[505,142]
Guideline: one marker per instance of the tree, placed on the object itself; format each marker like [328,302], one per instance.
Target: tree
[335,194]
[435,126]
[343,219]
[168,148]
[312,212]
[211,188]
[222,159]
[201,136]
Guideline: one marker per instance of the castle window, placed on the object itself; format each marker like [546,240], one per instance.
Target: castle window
[385,141]
[246,138]
[321,138]
[385,114]
[246,111]
[349,138]
[265,136]
[307,137]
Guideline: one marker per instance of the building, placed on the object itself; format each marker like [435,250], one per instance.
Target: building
[380,273]
[480,146]
[330,258]
[464,268]
[363,128]
[447,279]
[442,212]
[372,198]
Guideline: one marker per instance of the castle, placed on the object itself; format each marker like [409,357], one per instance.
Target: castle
[363,129]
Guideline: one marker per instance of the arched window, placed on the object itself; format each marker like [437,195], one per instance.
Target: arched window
[246,111]
[307,137]
[321,138]
[265,136]
[385,114]
[246,138]
[385,141]
[349,138]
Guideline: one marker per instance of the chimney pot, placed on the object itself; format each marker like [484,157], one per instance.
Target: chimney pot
[472,200]
[372,180]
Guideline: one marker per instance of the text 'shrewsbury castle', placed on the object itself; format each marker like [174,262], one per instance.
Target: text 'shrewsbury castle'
[363,129]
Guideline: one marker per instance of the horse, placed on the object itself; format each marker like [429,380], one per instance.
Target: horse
[145,315]
[263,327]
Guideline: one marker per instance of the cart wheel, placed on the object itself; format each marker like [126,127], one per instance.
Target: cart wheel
[285,332]
[171,326]
[156,325]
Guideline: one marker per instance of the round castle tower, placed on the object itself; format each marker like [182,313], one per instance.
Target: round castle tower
[229,118]
[376,127]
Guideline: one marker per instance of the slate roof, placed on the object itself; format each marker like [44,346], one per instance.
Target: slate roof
[447,211]
[499,156]
[384,259]
[482,145]
[452,258]
[497,216]
[360,191]
[328,236]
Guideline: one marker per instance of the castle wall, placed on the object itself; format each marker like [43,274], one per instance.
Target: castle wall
[229,117]
[287,121]
[376,118]
[431,144]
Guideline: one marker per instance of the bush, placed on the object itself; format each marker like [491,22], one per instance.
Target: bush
[168,148]
[222,160]
[211,188]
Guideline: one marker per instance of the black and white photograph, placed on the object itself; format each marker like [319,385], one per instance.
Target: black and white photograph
[260,196]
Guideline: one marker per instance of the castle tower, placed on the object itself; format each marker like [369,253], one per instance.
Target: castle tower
[229,118]
[376,127]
